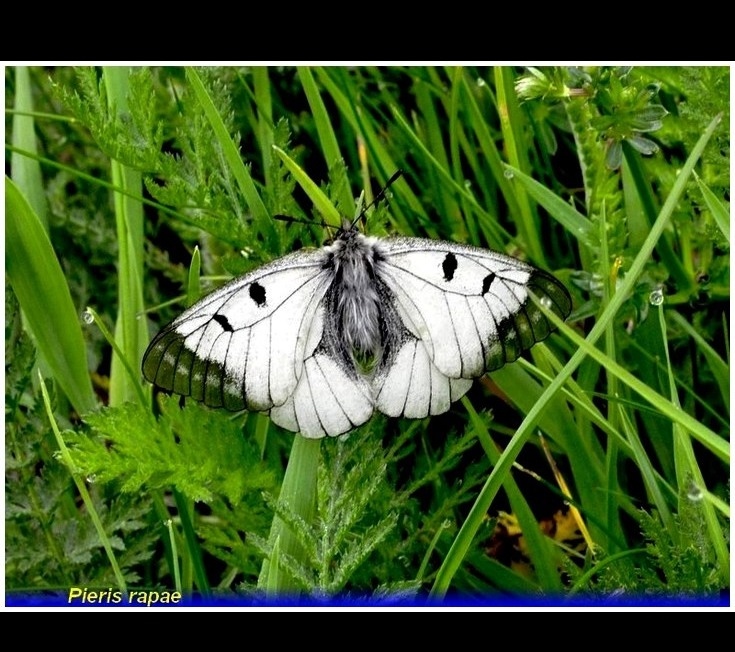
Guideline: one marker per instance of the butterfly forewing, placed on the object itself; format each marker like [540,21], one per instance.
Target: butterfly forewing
[244,345]
[470,306]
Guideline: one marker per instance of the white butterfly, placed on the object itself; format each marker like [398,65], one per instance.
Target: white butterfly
[322,338]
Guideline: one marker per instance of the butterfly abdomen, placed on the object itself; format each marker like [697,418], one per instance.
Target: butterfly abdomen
[355,295]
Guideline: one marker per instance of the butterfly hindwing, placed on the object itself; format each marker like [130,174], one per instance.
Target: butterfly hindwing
[410,385]
[329,398]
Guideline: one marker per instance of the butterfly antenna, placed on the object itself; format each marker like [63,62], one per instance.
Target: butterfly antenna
[379,197]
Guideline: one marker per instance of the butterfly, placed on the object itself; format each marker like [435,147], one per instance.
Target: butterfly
[320,339]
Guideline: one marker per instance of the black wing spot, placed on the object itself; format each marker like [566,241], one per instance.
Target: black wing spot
[487,282]
[449,266]
[257,293]
[222,321]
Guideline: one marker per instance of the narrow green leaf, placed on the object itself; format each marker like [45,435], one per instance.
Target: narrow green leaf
[298,491]
[25,171]
[43,294]
[489,149]
[643,463]
[511,124]
[174,553]
[719,368]
[688,472]
[194,551]
[711,440]
[82,488]
[132,371]
[717,207]
[540,550]
[264,127]
[131,332]
[321,201]
[193,285]
[232,155]
[327,136]
[572,220]
[272,584]
[646,199]
[637,220]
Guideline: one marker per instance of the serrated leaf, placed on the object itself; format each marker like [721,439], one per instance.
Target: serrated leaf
[193,448]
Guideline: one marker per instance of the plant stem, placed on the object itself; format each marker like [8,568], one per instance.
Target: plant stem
[298,494]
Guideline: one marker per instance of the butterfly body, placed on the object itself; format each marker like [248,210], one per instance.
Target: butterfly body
[321,339]
[354,260]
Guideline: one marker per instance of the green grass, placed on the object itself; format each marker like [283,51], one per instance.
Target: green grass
[133,192]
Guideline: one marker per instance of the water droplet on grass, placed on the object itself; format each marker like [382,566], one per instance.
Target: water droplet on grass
[656,297]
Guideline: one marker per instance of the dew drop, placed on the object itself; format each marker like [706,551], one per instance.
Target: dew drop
[656,297]
[545,302]
[91,478]
[87,316]
[695,493]
[481,82]
[508,173]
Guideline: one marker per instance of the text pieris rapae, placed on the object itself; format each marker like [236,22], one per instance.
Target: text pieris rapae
[322,338]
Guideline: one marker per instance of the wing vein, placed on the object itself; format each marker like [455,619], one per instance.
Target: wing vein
[456,337]
[334,395]
[477,330]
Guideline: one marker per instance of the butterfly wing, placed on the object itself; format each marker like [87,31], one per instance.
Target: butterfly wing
[330,398]
[411,385]
[244,345]
[258,343]
[465,311]
[265,341]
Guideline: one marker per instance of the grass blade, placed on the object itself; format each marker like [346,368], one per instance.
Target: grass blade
[82,488]
[719,211]
[232,156]
[26,172]
[321,201]
[38,282]
[131,331]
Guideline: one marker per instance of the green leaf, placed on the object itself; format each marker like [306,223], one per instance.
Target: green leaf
[26,172]
[321,201]
[717,207]
[232,156]
[705,435]
[44,297]
[131,332]
[573,221]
